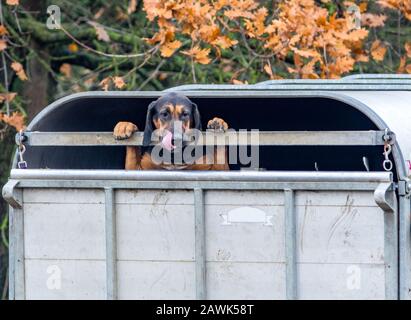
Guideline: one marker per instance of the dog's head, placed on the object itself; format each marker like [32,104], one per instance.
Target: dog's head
[168,112]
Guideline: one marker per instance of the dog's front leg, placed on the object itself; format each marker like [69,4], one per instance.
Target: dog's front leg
[124,130]
[220,153]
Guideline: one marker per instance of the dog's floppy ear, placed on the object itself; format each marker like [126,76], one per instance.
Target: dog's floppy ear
[196,117]
[148,130]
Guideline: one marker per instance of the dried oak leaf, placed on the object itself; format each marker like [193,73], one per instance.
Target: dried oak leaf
[7,96]
[12,2]
[224,42]
[104,84]
[401,67]
[378,50]
[3,44]
[118,82]
[373,20]
[3,30]
[199,55]
[16,120]
[408,49]
[239,82]
[132,6]
[66,69]
[18,69]
[168,48]
[268,70]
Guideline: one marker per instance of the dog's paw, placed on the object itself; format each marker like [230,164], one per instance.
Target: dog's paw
[217,124]
[124,130]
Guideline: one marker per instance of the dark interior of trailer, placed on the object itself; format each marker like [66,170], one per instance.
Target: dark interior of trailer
[269,114]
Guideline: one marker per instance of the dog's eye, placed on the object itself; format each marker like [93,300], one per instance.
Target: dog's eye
[185,114]
[163,114]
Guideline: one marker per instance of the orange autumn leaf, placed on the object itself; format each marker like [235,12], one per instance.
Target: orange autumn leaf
[18,69]
[357,35]
[291,70]
[308,70]
[239,82]
[304,28]
[199,55]
[237,13]
[118,82]
[12,2]
[7,96]
[104,84]
[66,70]
[378,50]
[224,42]
[16,120]
[403,6]
[168,48]
[3,30]
[401,68]
[162,76]
[340,66]
[132,6]
[363,6]
[408,49]
[268,70]
[391,4]
[259,18]
[306,53]
[373,20]
[3,44]
[362,58]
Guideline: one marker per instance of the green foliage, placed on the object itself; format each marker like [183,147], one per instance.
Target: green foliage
[7,148]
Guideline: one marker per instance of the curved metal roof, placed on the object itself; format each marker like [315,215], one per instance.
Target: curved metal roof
[385,100]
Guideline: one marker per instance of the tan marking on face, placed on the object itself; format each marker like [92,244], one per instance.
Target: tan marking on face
[157,123]
[179,109]
[169,107]
[161,124]
[175,112]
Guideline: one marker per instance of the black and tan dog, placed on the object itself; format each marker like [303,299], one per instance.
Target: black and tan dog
[162,114]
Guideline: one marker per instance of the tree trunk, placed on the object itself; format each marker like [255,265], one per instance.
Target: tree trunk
[35,91]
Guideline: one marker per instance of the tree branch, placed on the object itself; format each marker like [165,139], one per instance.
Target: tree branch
[42,34]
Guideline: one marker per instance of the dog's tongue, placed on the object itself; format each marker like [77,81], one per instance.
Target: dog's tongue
[167,141]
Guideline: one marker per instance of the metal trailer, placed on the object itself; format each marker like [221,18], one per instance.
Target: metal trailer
[323,221]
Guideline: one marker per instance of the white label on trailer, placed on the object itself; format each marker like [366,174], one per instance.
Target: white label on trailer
[247,215]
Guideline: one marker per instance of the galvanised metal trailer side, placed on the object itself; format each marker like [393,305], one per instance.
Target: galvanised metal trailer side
[325,220]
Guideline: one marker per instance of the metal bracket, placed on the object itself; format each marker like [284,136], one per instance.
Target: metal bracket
[404,188]
[389,137]
[384,198]
[20,137]
[9,194]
